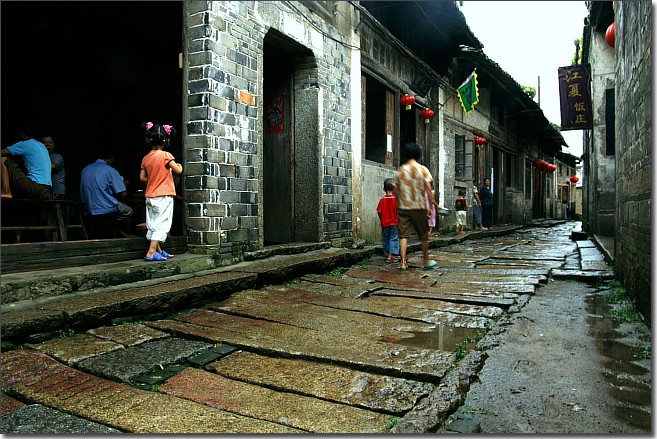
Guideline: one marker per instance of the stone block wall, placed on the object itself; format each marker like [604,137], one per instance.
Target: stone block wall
[224,121]
[634,151]
[221,189]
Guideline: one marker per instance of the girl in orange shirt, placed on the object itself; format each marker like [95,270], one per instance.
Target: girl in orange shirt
[156,171]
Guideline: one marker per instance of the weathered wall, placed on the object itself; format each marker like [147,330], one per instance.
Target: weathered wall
[634,151]
[455,122]
[519,209]
[598,213]
[383,60]
[224,121]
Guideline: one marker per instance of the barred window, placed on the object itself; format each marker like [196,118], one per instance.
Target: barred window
[459,156]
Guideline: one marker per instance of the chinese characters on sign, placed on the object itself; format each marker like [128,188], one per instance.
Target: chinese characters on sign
[575,98]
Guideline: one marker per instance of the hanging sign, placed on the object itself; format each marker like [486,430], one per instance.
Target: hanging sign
[575,97]
[468,92]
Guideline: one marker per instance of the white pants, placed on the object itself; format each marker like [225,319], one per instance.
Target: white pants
[159,216]
[461,215]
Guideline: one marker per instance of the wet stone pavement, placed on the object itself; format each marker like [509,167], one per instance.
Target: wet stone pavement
[360,349]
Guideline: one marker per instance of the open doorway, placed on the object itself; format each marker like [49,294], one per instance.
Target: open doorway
[90,74]
[292,149]
[278,151]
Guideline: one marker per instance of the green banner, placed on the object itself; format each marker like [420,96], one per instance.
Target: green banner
[468,92]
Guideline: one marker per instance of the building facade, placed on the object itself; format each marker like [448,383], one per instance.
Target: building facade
[633,106]
[288,113]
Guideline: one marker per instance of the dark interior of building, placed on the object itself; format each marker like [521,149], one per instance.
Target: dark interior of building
[90,74]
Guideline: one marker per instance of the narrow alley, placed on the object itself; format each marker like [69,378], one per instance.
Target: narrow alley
[508,319]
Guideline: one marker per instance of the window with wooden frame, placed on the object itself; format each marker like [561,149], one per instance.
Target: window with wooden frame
[462,158]
[378,121]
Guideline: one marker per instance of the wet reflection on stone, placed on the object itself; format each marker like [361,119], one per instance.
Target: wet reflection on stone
[620,366]
[442,338]
[628,382]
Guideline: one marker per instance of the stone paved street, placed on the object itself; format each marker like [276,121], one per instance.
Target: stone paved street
[364,348]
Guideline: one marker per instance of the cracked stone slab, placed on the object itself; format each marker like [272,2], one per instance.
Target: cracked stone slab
[130,362]
[337,347]
[285,408]
[37,418]
[326,381]
[43,380]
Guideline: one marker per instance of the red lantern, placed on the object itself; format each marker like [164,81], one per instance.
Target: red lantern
[610,35]
[574,179]
[537,163]
[407,100]
[427,114]
[480,140]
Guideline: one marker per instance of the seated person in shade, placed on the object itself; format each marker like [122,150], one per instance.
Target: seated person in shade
[58,173]
[100,187]
[36,183]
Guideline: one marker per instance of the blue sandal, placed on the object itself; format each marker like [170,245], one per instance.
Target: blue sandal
[156,257]
[166,255]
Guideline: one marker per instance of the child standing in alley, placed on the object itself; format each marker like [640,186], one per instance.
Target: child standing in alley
[156,171]
[461,206]
[387,210]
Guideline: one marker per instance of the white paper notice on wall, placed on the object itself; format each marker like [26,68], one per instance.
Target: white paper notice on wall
[389,142]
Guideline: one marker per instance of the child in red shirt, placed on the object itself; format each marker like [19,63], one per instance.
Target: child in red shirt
[387,210]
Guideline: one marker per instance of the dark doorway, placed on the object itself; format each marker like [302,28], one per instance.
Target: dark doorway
[90,74]
[538,195]
[278,151]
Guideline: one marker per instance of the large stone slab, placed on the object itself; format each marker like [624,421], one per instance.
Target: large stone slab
[128,335]
[441,312]
[276,339]
[88,309]
[77,348]
[36,377]
[296,308]
[130,362]
[475,300]
[289,409]
[39,419]
[371,391]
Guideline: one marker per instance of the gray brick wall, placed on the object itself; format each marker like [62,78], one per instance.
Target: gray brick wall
[223,51]
[634,150]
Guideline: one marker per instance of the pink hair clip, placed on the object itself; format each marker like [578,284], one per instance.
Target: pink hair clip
[149,125]
[167,128]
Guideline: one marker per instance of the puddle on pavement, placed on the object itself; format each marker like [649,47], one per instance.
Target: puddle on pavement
[628,382]
[443,338]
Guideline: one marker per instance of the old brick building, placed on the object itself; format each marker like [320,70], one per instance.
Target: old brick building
[289,113]
[633,148]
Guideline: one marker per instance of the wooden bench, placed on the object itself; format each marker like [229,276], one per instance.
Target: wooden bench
[17,216]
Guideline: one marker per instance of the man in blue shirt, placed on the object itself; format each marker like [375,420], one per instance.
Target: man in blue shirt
[100,185]
[58,174]
[37,183]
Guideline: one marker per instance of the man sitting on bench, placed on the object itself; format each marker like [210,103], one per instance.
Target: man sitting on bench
[37,184]
[100,185]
